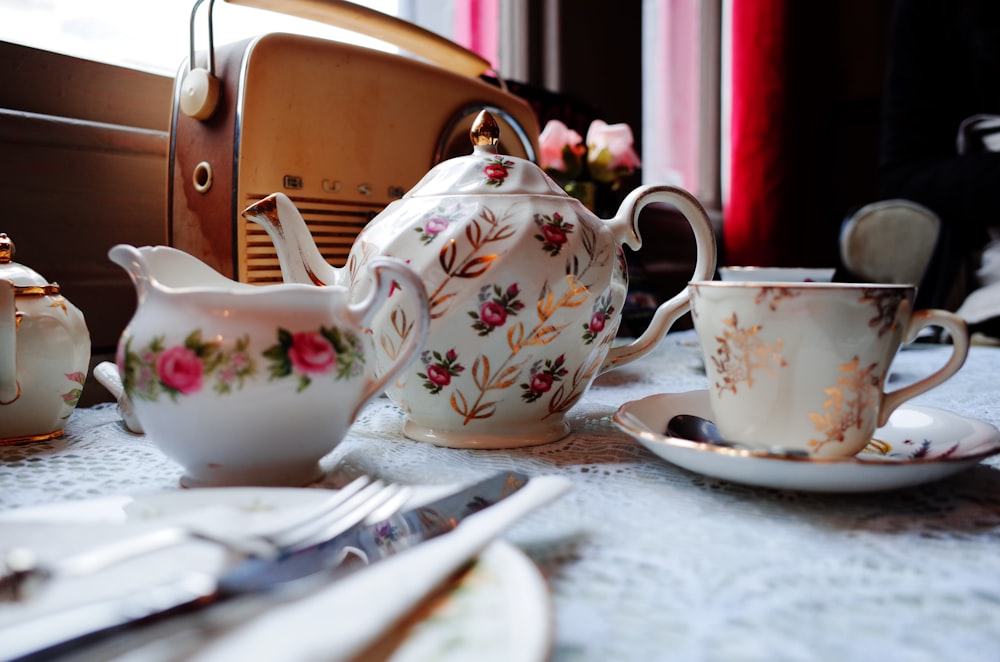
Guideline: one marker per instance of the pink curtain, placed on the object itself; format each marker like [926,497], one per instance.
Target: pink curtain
[670,123]
[476,27]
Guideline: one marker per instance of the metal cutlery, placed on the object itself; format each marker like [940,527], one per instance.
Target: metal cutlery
[23,573]
[696,428]
[345,633]
[371,539]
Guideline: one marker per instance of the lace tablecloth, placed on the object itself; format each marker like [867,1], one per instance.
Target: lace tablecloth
[647,561]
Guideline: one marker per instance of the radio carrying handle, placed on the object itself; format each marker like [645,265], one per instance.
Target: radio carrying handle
[200,92]
[371,23]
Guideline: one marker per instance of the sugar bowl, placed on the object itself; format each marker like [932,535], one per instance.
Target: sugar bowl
[44,353]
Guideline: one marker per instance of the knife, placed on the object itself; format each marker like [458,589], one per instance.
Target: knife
[371,541]
[343,620]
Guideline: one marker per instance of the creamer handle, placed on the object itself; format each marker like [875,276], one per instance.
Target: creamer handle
[372,23]
[400,276]
[9,388]
[625,227]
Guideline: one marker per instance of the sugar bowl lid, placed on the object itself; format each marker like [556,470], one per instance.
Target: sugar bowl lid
[485,172]
[18,274]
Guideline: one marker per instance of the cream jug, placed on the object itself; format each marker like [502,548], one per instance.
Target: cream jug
[252,385]
[525,286]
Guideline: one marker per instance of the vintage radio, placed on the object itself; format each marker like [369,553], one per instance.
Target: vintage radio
[342,130]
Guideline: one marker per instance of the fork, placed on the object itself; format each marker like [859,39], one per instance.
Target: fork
[23,573]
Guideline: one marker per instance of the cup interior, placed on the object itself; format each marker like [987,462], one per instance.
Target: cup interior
[777,274]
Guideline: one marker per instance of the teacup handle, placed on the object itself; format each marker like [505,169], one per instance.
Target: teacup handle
[959,332]
[625,226]
[412,286]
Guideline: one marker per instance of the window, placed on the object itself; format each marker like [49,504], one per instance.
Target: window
[152,36]
[683,99]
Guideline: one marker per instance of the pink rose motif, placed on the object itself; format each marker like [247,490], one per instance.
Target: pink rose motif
[180,368]
[493,314]
[438,375]
[435,225]
[554,235]
[311,353]
[597,322]
[541,383]
[495,171]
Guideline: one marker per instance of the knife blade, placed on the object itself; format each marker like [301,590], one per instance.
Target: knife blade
[371,541]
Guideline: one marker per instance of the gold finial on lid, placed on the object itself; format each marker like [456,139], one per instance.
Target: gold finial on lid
[485,131]
[6,249]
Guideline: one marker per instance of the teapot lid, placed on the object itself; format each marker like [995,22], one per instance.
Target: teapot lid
[486,172]
[18,274]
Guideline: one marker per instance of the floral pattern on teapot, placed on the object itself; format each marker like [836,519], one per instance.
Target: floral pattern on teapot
[72,396]
[475,383]
[184,369]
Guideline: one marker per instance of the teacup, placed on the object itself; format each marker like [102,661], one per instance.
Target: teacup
[780,274]
[803,365]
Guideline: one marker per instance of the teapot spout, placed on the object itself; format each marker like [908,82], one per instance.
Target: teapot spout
[298,257]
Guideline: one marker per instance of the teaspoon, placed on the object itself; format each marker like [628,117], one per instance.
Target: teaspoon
[696,428]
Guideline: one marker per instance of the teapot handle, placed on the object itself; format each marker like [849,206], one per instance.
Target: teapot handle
[400,276]
[626,230]
[9,388]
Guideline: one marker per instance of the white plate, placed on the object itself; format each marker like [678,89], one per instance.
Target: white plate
[919,444]
[500,609]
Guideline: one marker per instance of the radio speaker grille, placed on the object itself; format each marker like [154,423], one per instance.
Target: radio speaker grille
[333,225]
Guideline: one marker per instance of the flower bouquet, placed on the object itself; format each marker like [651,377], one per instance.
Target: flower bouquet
[581,166]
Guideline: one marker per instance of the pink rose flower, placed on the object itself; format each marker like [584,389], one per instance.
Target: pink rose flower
[493,314]
[180,368]
[541,383]
[495,171]
[554,235]
[556,143]
[436,224]
[597,322]
[311,353]
[438,375]
[609,151]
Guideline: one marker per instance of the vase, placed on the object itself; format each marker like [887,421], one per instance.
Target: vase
[585,192]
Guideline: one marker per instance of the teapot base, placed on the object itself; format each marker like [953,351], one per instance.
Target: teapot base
[501,436]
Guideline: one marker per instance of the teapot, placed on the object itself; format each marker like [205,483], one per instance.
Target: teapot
[44,353]
[525,285]
[247,384]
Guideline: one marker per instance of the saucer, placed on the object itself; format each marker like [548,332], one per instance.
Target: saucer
[918,445]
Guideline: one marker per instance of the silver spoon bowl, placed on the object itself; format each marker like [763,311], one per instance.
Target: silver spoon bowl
[696,428]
